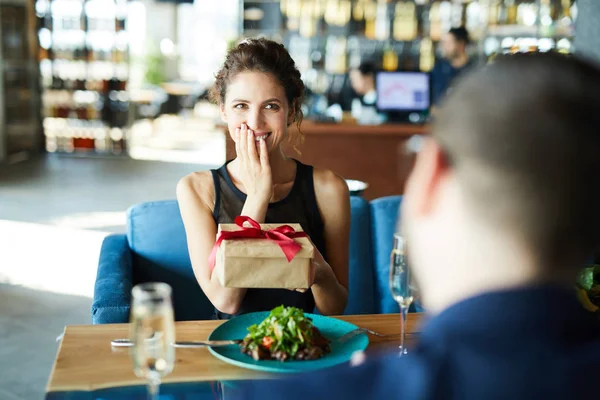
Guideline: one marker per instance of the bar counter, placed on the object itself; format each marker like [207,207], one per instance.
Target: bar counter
[372,154]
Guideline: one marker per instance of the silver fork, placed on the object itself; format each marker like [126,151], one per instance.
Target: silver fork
[219,343]
[358,331]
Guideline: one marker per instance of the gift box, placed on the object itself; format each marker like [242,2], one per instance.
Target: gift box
[262,255]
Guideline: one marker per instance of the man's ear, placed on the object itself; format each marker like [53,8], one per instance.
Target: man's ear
[429,171]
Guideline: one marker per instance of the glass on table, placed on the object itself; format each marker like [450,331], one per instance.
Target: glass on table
[401,284]
[152,334]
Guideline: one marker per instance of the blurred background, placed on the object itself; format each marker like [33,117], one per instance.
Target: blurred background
[125,78]
[103,104]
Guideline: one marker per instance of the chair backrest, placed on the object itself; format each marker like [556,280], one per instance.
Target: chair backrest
[157,239]
[384,219]
[362,285]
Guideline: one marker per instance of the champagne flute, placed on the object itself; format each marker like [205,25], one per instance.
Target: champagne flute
[400,284]
[152,334]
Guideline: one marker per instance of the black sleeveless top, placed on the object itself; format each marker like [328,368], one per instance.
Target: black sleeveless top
[299,206]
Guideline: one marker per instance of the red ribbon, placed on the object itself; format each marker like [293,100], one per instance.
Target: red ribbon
[283,236]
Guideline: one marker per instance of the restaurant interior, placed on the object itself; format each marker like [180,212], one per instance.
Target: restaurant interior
[105,106]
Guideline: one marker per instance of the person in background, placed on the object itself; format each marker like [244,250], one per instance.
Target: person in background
[453,63]
[364,108]
[259,92]
[499,214]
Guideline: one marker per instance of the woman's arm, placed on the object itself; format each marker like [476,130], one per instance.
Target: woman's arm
[330,286]
[196,194]
[196,197]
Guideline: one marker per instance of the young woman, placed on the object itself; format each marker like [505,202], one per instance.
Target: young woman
[260,93]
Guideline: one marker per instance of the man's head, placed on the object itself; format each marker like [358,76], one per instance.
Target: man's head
[362,78]
[454,43]
[505,192]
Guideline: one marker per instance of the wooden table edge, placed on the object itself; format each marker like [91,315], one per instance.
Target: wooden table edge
[52,371]
[251,374]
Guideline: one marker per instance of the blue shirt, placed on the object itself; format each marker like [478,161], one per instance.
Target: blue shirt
[534,343]
[442,76]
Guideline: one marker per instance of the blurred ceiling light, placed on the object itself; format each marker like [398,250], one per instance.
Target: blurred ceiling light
[254,14]
[167,47]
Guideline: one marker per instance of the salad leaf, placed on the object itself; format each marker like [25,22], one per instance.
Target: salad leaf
[588,276]
[287,327]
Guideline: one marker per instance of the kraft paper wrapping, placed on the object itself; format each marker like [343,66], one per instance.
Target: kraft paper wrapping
[260,263]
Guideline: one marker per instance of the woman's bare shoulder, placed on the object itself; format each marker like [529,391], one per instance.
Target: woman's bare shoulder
[329,183]
[197,185]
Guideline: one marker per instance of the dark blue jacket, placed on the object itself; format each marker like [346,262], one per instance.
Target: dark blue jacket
[535,343]
[443,75]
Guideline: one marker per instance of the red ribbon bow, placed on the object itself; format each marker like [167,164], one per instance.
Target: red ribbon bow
[283,236]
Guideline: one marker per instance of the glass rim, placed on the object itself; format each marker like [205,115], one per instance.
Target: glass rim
[399,242]
[151,290]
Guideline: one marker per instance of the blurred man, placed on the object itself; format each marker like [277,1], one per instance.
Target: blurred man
[499,213]
[453,63]
[363,82]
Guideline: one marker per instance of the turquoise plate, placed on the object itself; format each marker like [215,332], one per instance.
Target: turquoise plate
[331,328]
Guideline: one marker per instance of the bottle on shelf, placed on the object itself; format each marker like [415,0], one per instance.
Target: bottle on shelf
[370,13]
[405,21]
[565,23]
[510,7]
[382,21]
[546,23]
[426,55]
[473,20]
[390,58]
[435,22]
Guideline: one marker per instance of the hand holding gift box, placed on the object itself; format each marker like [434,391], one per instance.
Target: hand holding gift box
[262,255]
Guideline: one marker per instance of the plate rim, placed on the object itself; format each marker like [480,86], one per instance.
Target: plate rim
[268,369]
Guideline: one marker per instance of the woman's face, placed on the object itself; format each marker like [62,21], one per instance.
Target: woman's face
[257,100]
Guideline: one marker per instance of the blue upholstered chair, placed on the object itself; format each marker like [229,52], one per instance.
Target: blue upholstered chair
[155,249]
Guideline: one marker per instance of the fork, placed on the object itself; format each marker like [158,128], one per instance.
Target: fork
[218,343]
[358,331]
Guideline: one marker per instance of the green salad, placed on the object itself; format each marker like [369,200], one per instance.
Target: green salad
[588,288]
[285,334]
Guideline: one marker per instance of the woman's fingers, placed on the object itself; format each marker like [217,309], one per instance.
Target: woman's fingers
[264,155]
[298,290]
[243,143]
[313,271]
[236,140]
[252,156]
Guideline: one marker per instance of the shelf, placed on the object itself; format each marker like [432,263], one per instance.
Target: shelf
[48,89]
[72,122]
[512,30]
[521,31]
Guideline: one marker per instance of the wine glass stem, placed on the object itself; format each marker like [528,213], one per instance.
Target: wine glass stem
[403,311]
[153,387]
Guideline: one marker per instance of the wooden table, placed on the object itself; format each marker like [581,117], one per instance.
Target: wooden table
[372,154]
[86,361]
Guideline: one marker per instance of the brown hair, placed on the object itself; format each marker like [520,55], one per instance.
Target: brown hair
[523,138]
[262,55]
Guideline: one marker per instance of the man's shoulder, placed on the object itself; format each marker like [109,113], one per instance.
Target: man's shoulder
[439,64]
[377,377]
